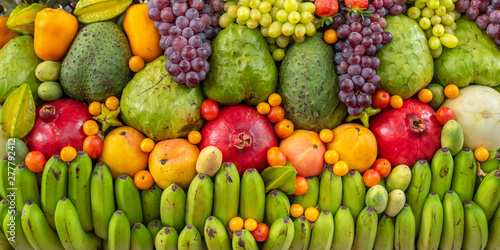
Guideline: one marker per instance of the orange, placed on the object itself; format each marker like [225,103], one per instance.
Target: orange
[236,223]
[263,108]
[481,154]
[396,101]
[194,137]
[425,95]
[147,145]
[250,224]
[311,214]
[331,156]
[326,135]
[274,99]
[330,36]
[296,210]
[451,91]
[340,168]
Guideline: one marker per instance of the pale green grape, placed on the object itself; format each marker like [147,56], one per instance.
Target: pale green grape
[306,17]
[452,8]
[423,1]
[298,39]
[274,30]
[252,24]
[306,7]
[425,23]
[278,54]
[453,26]
[282,16]
[317,23]
[449,40]
[428,33]
[255,15]
[435,20]
[433,4]
[446,3]
[243,13]
[244,3]
[294,17]
[229,4]
[225,20]
[272,47]
[282,41]
[271,40]
[280,4]
[270,1]
[434,42]
[414,12]
[448,30]
[287,29]
[427,12]
[455,14]
[437,52]
[273,12]
[241,22]
[419,4]
[438,30]
[291,5]
[447,19]
[440,11]
[263,31]
[254,4]
[233,11]
[310,29]
[300,30]
[265,7]
[266,20]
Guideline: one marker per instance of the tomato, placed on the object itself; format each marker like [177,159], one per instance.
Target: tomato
[236,223]
[93,146]
[250,224]
[383,166]
[261,232]
[311,214]
[371,177]
[444,114]
[301,185]
[330,36]
[296,210]
[425,95]
[274,99]
[263,108]
[136,63]
[68,153]
[35,161]
[331,156]
[95,108]
[112,103]
[326,135]
[451,91]
[340,168]
[381,99]
[194,137]
[147,145]
[276,114]
[481,154]
[209,109]
[143,179]
[284,128]
[396,101]
[275,157]
[90,127]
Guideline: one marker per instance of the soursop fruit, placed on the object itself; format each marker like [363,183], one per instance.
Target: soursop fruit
[406,63]
[474,60]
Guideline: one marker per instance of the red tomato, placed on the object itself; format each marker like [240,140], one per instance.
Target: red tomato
[261,232]
[444,114]
[93,146]
[209,109]
[381,99]
[371,177]
[276,114]
[383,166]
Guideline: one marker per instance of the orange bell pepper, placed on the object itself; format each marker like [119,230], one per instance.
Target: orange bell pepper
[5,33]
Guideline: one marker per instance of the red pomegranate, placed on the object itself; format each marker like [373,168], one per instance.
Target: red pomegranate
[58,124]
[407,134]
[242,135]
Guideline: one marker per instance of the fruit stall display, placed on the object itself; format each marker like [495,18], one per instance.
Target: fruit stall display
[250,124]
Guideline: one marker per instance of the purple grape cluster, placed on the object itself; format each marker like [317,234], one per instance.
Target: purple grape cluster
[186,29]
[359,40]
[486,13]
[385,7]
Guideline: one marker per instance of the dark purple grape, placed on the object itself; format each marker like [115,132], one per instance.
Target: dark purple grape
[493,30]
[366,32]
[154,14]
[377,38]
[355,38]
[346,85]
[207,9]
[356,27]
[482,21]
[375,63]
[218,5]
[355,111]
[187,33]
[371,51]
[375,27]
[472,14]
[207,20]
[490,9]
[206,67]
[359,49]
[197,64]
[215,19]
[484,6]
[379,46]
[343,31]
[182,22]
[375,80]
[364,100]
[354,17]
[166,42]
[179,43]
[368,88]
[350,100]
[175,57]
[192,79]
[495,3]
[353,58]
[354,70]
[366,62]
[337,21]
[374,18]
[185,66]
[462,5]
[209,31]
[342,96]
[195,41]
[181,78]
[344,77]
[339,46]
[366,21]
[495,16]
[344,65]
[337,58]
[168,51]
[396,10]
[387,37]
[382,22]
[173,69]
[188,53]
[151,4]
[378,3]
[339,71]
[381,12]
[347,44]
[180,1]
[179,9]
[358,81]
[388,4]
[192,13]
[207,47]
[161,4]
[347,51]
[202,74]
[175,31]
[367,41]
[202,36]
[217,29]
[371,8]
[399,2]
[197,25]
[202,53]
[367,72]
[196,4]
[475,4]
[156,23]
[164,28]
[167,15]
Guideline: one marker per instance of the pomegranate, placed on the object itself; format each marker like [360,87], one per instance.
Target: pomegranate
[242,135]
[407,134]
[58,124]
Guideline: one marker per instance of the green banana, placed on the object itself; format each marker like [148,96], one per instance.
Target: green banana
[453,222]
[476,227]
[166,239]
[354,192]
[330,190]
[281,234]
[404,230]
[494,232]
[79,174]
[252,196]
[37,230]
[442,172]
[366,229]
[302,233]
[154,227]
[4,177]
[4,242]
[150,199]
[13,230]
[385,234]
[190,238]
[277,206]
[488,195]
[343,238]
[226,193]
[199,201]
[140,238]
[54,186]
[432,223]
[119,231]
[419,189]
[216,235]
[322,232]
[243,240]
[102,199]
[310,198]
[69,229]
[492,164]
[173,207]
[464,174]
[128,198]
[26,186]
[4,209]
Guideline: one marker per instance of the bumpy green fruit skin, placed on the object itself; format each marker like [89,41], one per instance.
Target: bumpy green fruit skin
[406,63]
[96,65]
[474,60]
[18,62]
[309,86]
[241,68]
[178,112]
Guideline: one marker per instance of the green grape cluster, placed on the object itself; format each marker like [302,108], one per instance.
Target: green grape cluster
[437,19]
[278,20]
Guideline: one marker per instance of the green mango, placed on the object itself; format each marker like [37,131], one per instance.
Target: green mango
[22,18]
[18,113]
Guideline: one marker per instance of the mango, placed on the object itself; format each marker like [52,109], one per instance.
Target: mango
[209,161]
[397,199]
[399,178]
[452,136]
[48,71]
[377,197]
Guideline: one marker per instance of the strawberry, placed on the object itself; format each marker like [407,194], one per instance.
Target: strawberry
[356,4]
[326,8]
